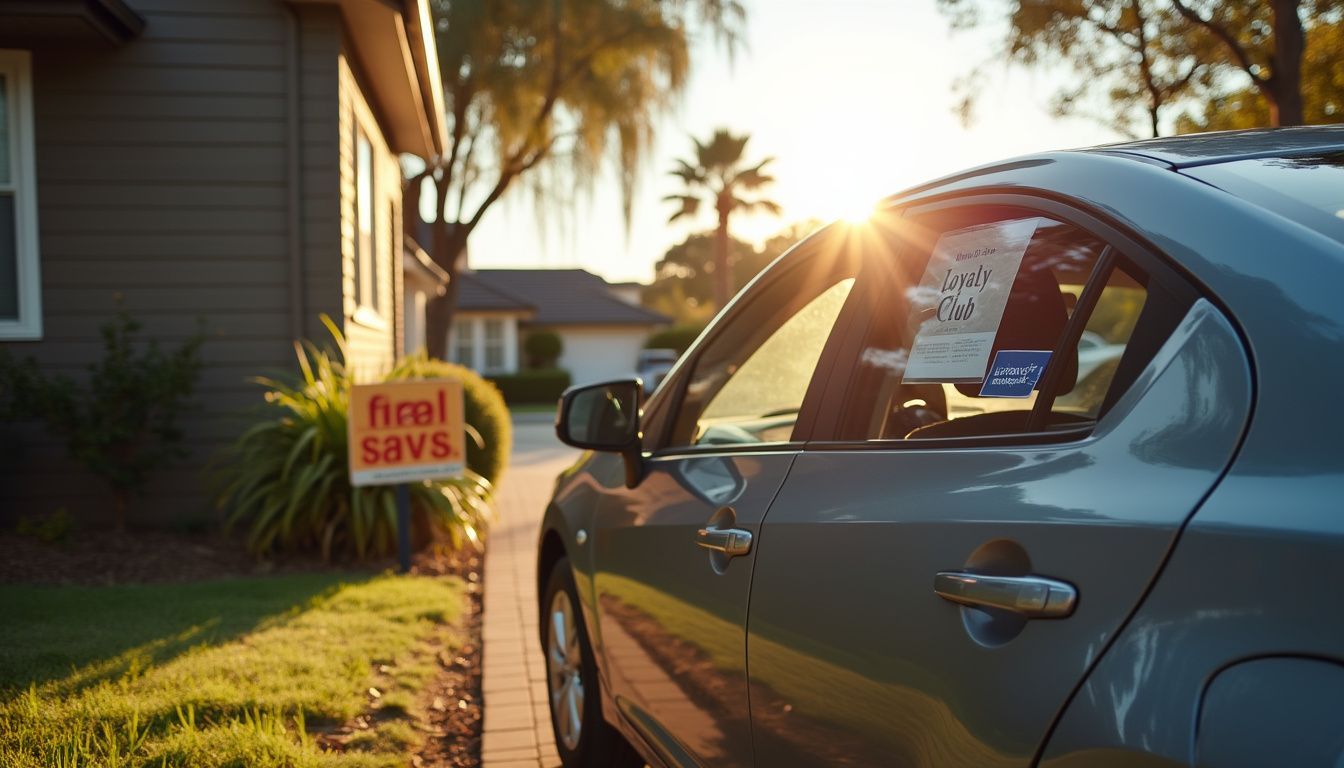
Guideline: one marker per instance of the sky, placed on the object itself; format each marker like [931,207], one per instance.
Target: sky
[853,98]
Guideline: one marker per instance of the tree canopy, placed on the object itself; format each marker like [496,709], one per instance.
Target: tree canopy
[1193,62]
[720,174]
[683,286]
[545,91]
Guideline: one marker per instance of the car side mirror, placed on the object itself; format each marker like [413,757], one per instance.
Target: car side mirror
[604,417]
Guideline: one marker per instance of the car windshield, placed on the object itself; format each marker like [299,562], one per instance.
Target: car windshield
[1308,189]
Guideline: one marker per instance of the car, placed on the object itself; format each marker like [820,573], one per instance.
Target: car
[653,365]
[1020,471]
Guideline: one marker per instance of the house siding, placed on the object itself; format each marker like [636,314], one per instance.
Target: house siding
[597,353]
[371,340]
[163,187]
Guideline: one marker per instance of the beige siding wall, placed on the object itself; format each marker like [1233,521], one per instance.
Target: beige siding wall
[370,321]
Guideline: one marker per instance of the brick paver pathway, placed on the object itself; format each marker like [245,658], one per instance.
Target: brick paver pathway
[517,725]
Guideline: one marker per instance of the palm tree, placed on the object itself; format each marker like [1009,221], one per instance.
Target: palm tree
[718,170]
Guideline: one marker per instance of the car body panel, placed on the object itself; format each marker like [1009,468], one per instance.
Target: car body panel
[855,661]
[1257,572]
[672,620]
[1254,572]
[1223,146]
[1261,711]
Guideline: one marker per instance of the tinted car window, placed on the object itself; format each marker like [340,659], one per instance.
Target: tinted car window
[986,376]
[750,390]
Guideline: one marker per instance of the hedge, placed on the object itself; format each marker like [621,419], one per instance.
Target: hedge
[485,412]
[543,385]
[543,348]
[678,337]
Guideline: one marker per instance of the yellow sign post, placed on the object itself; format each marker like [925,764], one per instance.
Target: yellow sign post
[405,432]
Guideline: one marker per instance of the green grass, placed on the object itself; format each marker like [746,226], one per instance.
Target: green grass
[228,673]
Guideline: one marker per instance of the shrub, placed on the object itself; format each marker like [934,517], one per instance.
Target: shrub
[678,337]
[121,424]
[49,529]
[485,412]
[527,387]
[543,348]
[287,478]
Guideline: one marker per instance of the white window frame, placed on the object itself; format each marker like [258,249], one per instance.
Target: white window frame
[16,65]
[500,344]
[466,330]
[367,309]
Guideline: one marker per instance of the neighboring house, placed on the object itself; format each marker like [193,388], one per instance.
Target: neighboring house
[423,280]
[230,160]
[602,333]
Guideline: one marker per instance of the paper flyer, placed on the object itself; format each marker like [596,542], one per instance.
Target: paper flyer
[960,300]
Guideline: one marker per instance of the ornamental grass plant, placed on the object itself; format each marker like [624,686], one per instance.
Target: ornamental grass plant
[286,479]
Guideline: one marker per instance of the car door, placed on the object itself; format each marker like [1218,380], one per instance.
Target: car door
[673,554]
[933,581]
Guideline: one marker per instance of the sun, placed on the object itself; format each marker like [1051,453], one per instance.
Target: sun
[858,212]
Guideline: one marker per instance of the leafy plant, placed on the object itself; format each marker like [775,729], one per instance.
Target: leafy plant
[121,422]
[542,385]
[48,529]
[678,337]
[287,479]
[543,348]
[486,414]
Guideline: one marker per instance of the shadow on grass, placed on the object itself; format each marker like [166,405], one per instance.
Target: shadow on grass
[79,636]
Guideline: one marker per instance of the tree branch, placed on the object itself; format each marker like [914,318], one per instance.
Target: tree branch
[1219,31]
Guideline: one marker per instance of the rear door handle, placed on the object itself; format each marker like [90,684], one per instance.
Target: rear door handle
[730,541]
[1035,597]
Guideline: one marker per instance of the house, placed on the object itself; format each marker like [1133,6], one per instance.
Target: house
[600,330]
[230,160]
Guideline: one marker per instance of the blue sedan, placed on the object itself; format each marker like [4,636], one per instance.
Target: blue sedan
[1032,468]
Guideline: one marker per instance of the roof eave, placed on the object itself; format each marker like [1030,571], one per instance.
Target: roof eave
[394,45]
[33,22]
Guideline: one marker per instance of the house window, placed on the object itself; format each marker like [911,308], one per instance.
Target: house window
[494,344]
[366,256]
[464,348]
[20,285]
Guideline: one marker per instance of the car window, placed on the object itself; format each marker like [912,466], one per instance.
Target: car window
[975,316]
[1109,327]
[748,384]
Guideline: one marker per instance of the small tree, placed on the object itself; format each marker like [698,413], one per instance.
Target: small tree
[543,349]
[122,424]
[720,174]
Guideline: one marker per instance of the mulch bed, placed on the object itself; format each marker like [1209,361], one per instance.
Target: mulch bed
[105,558]
[452,700]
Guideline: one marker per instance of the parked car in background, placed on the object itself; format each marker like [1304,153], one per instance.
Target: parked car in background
[1035,467]
[653,365]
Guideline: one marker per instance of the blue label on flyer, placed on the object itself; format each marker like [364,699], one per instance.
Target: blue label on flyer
[1014,373]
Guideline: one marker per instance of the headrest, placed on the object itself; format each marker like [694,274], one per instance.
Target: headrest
[1034,318]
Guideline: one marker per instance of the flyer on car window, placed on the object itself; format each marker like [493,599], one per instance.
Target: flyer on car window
[959,302]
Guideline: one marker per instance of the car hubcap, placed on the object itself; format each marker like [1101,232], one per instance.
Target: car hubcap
[564,663]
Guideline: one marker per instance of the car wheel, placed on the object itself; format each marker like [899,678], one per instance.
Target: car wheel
[582,737]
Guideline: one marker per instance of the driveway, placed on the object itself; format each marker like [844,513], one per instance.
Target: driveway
[517,728]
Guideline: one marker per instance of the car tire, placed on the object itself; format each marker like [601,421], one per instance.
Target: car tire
[572,685]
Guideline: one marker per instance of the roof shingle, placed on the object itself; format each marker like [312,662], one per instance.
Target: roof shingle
[558,296]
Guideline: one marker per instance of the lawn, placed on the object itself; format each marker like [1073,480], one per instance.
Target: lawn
[244,672]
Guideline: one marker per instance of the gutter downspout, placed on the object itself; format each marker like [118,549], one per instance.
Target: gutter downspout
[293,174]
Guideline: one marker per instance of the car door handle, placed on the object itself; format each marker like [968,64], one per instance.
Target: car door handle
[1031,596]
[730,541]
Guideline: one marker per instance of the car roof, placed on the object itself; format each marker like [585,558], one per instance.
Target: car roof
[1225,146]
